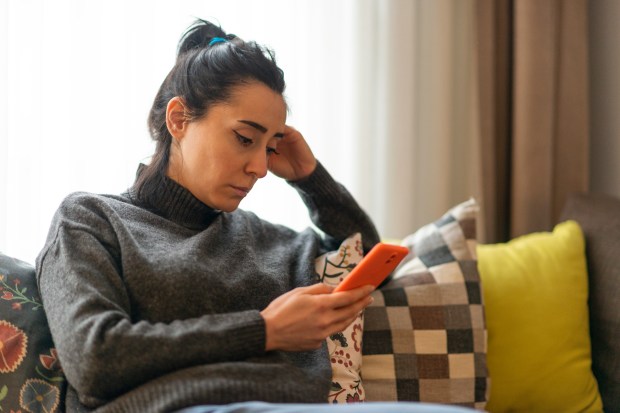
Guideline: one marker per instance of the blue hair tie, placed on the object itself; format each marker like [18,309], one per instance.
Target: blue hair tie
[217,40]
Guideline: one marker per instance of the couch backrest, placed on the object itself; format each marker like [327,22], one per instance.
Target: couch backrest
[599,218]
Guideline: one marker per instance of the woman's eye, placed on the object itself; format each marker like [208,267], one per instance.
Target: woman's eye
[243,140]
[272,151]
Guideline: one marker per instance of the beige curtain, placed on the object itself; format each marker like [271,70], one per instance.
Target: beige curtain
[413,123]
[533,100]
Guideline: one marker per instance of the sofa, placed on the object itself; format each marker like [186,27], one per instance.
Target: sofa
[599,217]
[531,325]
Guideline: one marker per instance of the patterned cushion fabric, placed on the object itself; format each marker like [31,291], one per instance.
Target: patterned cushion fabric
[31,379]
[599,217]
[424,335]
[345,348]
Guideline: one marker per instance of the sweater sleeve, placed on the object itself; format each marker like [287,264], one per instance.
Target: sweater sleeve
[104,352]
[334,210]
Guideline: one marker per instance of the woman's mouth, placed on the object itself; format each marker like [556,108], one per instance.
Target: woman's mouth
[241,191]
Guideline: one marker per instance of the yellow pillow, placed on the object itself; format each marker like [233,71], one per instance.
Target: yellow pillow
[535,290]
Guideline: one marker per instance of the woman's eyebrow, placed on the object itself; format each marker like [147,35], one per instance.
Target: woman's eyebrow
[260,127]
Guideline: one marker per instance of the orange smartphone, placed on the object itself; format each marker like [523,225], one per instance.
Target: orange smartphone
[374,267]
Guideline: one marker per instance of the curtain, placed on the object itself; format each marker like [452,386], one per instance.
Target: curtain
[416,120]
[533,100]
[399,99]
[383,90]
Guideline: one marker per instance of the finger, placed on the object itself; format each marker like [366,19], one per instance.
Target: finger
[290,131]
[345,298]
[360,305]
[342,325]
[347,314]
[316,289]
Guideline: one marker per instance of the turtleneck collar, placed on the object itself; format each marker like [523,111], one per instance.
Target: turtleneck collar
[174,202]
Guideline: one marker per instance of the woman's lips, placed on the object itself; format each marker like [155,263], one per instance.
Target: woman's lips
[241,191]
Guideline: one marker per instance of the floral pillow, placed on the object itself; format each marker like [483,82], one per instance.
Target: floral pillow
[345,348]
[31,378]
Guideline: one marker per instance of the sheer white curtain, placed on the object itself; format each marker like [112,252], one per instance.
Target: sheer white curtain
[419,112]
[380,88]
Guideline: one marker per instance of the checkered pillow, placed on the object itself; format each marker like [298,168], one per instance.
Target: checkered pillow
[425,335]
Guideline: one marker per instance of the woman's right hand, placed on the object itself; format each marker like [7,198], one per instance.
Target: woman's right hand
[303,318]
[294,160]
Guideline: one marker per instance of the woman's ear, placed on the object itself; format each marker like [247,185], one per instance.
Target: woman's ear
[176,118]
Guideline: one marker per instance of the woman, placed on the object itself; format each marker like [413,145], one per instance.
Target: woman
[168,296]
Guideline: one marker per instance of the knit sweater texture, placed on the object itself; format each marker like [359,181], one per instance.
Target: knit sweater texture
[154,304]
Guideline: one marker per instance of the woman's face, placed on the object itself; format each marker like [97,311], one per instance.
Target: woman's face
[220,156]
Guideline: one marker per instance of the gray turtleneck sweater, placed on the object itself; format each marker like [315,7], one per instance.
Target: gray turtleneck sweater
[154,304]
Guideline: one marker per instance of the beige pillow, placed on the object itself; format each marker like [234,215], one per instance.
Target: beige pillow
[425,335]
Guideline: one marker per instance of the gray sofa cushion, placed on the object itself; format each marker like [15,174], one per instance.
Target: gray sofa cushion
[599,217]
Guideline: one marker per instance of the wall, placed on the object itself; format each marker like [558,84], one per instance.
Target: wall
[605,96]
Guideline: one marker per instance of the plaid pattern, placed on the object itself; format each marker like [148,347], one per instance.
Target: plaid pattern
[425,335]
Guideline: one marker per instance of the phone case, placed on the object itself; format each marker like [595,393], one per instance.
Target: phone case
[374,267]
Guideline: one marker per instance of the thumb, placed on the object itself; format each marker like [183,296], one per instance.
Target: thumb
[318,288]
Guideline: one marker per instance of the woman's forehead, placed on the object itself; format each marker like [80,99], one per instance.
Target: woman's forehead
[256,102]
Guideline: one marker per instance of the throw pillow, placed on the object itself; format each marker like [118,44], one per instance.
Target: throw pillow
[30,377]
[599,218]
[345,348]
[536,293]
[424,335]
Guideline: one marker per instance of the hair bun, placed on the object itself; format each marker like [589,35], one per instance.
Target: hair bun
[201,34]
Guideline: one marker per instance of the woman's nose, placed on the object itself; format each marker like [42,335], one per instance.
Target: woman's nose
[257,164]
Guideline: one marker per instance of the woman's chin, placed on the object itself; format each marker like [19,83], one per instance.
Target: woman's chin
[229,206]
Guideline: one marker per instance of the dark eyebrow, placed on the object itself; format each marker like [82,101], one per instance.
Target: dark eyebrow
[260,127]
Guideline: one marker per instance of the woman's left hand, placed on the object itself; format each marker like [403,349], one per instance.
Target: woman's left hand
[294,160]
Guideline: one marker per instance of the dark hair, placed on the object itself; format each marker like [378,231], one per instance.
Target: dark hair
[205,73]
